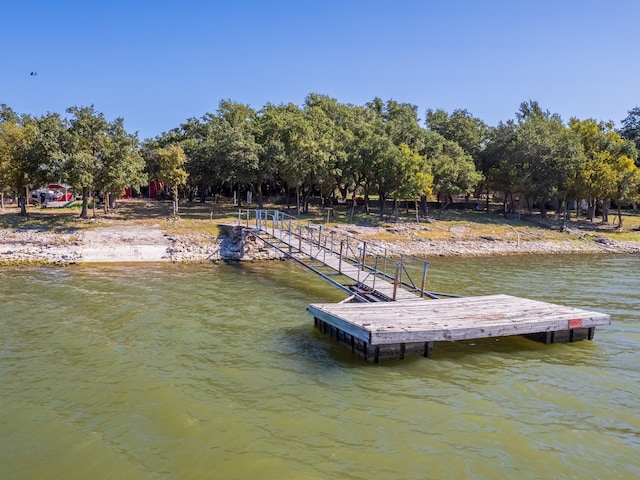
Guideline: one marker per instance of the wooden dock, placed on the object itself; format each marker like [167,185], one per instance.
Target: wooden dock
[388,316]
[396,329]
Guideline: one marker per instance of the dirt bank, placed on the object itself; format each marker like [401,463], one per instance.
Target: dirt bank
[117,243]
[120,244]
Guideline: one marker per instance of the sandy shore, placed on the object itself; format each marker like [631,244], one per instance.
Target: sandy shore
[151,244]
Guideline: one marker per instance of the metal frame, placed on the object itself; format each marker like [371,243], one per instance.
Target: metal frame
[369,258]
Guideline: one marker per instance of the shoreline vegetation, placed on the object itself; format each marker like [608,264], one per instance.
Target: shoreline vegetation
[142,230]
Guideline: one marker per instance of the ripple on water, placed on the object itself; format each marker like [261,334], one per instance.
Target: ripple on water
[179,371]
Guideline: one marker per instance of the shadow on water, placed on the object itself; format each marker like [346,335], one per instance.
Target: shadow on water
[306,342]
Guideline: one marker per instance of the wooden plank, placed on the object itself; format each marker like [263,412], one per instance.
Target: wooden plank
[454,319]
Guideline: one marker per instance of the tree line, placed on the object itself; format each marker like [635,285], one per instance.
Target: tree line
[334,150]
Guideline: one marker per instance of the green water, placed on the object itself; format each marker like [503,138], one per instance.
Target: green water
[198,372]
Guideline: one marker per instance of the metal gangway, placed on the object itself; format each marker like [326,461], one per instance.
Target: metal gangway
[367,272]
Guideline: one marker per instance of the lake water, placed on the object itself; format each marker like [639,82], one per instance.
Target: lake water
[215,371]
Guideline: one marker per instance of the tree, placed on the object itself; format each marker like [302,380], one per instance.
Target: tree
[548,154]
[121,164]
[367,138]
[85,145]
[386,161]
[236,147]
[386,128]
[630,129]
[15,142]
[403,125]
[332,123]
[499,163]
[415,179]
[453,170]
[609,172]
[373,156]
[199,139]
[461,127]
[170,161]
[301,163]
[32,154]
[627,182]
[270,154]
[8,115]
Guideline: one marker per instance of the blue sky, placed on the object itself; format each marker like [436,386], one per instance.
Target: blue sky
[158,63]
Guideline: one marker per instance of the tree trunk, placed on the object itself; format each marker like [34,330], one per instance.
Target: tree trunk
[174,193]
[381,201]
[487,200]
[619,216]
[23,203]
[259,195]
[605,211]
[423,206]
[305,200]
[84,212]
[288,195]
[543,210]
[591,207]
[298,199]
[395,209]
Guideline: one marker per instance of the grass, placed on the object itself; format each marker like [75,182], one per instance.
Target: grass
[201,219]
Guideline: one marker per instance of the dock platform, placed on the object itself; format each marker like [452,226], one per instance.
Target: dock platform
[379,331]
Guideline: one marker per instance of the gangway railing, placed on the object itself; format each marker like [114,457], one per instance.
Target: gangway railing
[319,241]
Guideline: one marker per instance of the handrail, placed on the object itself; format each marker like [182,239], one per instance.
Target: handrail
[320,240]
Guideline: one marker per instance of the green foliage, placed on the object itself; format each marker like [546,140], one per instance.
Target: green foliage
[499,160]
[100,155]
[414,178]
[30,153]
[609,170]
[549,155]
[329,148]
[630,129]
[120,164]
[170,161]
[461,127]
[453,170]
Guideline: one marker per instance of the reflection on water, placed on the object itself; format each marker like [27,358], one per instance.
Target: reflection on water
[172,371]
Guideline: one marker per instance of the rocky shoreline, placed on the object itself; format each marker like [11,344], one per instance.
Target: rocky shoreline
[121,244]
